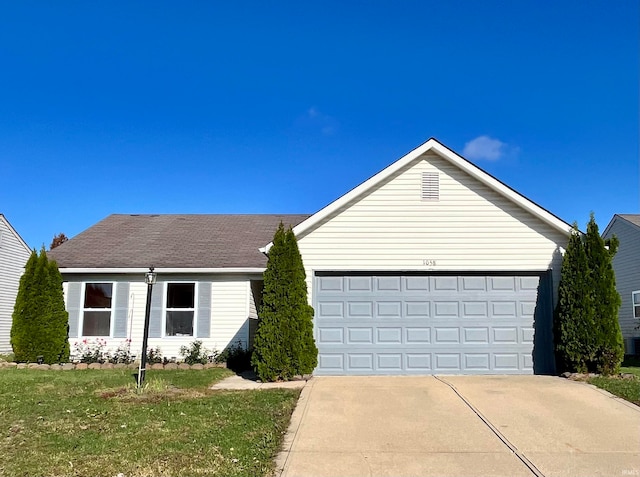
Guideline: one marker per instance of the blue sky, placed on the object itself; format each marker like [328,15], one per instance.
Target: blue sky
[281,107]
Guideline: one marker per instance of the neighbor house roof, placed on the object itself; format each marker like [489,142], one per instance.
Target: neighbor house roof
[431,146]
[633,219]
[177,242]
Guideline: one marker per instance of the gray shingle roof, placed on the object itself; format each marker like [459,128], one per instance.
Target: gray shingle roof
[633,218]
[172,241]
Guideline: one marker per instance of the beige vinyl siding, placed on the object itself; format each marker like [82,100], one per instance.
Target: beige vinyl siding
[626,264]
[13,257]
[229,312]
[470,227]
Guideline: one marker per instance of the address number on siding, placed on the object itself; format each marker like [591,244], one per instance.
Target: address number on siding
[428,262]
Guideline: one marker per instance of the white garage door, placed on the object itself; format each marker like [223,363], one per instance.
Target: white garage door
[427,324]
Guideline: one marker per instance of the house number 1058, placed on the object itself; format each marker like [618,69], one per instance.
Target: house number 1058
[429,262]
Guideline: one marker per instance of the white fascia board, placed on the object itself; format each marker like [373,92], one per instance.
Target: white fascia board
[161,270]
[445,153]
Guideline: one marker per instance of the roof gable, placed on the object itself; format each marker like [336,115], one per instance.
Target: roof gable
[431,146]
[4,220]
[632,220]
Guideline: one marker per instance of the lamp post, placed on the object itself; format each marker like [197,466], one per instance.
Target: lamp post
[150,280]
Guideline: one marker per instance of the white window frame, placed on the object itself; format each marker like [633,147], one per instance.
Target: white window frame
[83,308]
[635,305]
[165,308]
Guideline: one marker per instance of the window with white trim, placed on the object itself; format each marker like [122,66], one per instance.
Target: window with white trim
[180,309]
[635,300]
[96,310]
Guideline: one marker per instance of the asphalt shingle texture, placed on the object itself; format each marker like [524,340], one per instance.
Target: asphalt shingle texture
[633,218]
[173,241]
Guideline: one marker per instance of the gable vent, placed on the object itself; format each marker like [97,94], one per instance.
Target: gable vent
[430,186]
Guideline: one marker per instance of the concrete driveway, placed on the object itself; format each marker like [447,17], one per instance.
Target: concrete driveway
[460,426]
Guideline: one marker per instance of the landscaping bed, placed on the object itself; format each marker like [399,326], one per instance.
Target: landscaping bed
[97,423]
[625,385]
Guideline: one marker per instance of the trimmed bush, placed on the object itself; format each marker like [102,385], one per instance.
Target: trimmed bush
[609,349]
[40,325]
[586,329]
[284,346]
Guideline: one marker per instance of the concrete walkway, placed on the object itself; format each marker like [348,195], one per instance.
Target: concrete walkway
[248,380]
[459,426]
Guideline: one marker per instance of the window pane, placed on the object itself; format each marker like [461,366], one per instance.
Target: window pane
[636,311]
[96,323]
[180,295]
[97,295]
[179,323]
[636,298]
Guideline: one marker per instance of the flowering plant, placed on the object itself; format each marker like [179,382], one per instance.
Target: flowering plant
[122,354]
[87,351]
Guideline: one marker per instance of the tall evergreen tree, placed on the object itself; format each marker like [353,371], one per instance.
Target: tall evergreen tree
[40,321]
[575,343]
[284,345]
[606,300]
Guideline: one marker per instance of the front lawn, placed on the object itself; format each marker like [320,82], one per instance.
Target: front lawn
[628,388]
[94,423]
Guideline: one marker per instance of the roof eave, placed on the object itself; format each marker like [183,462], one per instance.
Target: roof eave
[160,270]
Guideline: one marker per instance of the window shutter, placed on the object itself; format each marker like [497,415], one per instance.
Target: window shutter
[121,311]
[74,293]
[430,186]
[204,310]
[155,318]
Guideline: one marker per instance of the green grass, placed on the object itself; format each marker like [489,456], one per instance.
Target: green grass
[628,389]
[96,423]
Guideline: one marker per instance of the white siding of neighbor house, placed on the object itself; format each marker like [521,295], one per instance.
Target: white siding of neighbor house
[13,257]
[230,296]
[470,228]
[626,264]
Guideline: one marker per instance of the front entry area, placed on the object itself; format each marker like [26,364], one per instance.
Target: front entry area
[417,323]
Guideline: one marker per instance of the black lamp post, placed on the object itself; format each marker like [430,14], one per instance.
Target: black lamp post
[150,280]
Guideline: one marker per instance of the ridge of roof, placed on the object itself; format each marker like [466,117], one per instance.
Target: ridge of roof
[432,145]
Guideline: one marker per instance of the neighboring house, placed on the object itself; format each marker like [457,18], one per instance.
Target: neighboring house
[626,264]
[14,254]
[430,266]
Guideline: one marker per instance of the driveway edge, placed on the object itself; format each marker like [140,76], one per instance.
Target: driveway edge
[290,436]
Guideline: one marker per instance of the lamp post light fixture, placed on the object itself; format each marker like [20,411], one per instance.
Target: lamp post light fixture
[150,280]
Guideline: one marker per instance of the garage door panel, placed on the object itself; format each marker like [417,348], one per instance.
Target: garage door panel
[476,335]
[446,308]
[474,284]
[418,335]
[417,309]
[475,309]
[388,284]
[415,284]
[359,284]
[444,284]
[389,309]
[330,309]
[447,335]
[359,309]
[388,335]
[360,336]
[426,324]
